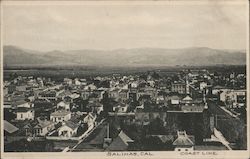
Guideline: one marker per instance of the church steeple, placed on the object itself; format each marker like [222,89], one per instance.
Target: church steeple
[187,85]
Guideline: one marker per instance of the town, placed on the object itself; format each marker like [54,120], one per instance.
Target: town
[192,109]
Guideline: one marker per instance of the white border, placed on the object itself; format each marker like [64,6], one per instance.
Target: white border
[156,154]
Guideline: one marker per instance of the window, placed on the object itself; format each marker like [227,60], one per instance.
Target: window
[21,115]
[186,149]
[179,149]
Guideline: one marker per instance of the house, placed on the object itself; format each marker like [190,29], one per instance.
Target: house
[64,105]
[174,99]
[114,93]
[236,97]
[85,94]
[203,85]
[123,95]
[60,116]
[74,96]
[95,107]
[134,84]
[160,99]
[150,91]
[43,127]
[68,81]
[120,108]
[217,89]
[120,143]
[90,119]
[187,99]
[24,113]
[77,82]
[99,93]
[183,142]
[68,129]
[90,87]
[140,107]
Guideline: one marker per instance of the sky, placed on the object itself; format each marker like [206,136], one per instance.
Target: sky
[47,27]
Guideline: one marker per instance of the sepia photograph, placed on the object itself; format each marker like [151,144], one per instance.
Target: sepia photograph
[125,79]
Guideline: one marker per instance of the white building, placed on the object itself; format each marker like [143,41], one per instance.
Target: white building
[203,85]
[90,120]
[64,105]
[237,97]
[68,129]
[25,113]
[60,116]
[43,127]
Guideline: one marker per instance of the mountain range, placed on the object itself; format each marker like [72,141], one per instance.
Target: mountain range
[193,56]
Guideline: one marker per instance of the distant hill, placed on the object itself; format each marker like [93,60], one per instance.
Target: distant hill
[195,56]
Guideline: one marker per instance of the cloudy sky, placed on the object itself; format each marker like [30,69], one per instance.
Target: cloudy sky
[102,26]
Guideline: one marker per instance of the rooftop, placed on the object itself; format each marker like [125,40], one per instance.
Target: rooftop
[9,127]
[60,113]
[183,139]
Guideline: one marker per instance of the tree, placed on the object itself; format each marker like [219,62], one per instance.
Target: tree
[155,75]
[156,127]
[153,143]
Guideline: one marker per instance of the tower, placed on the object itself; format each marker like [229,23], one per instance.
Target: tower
[187,85]
[107,140]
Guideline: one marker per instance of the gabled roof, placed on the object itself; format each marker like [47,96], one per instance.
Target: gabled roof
[74,95]
[9,127]
[63,103]
[71,125]
[91,115]
[125,138]
[20,102]
[60,113]
[187,98]
[23,109]
[183,140]
[43,124]
[120,142]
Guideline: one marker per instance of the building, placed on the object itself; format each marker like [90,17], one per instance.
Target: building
[48,95]
[90,119]
[9,128]
[120,143]
[43,127]
[114,94]
[183,142]
[24,113]
[64,105]
[85,94]
[237,98]
[95,107]
[120,108]
[203,85]
[179,87]
[123,95]
[60,116]
[68,129]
